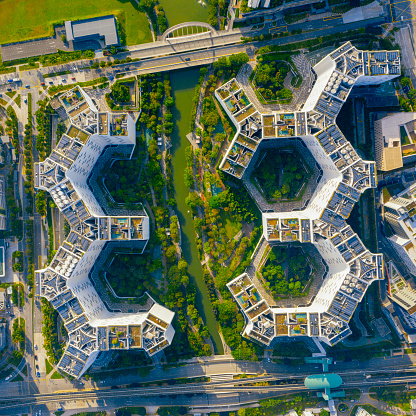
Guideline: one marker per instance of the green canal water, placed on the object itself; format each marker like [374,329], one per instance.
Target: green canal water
[180,11]
[183,85]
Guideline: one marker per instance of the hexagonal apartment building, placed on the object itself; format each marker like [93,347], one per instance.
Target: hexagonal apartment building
[336,177]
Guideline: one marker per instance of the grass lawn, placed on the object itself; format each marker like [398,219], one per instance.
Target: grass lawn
[56,376]
[49,367]
[30,19]
[232,227]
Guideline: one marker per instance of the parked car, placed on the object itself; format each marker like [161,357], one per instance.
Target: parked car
[38,374]
[27,86]
[36,357]
[36,347]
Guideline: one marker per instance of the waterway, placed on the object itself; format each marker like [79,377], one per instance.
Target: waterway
[183,86]
[180,11]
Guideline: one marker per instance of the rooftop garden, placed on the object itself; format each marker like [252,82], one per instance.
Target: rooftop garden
[281,174]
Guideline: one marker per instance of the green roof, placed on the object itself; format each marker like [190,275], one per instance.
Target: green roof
[323,381]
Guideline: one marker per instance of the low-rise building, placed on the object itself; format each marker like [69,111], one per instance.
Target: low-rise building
[99,28]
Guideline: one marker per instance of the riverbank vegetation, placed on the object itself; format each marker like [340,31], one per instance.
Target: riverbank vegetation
[227,222]
[148,178]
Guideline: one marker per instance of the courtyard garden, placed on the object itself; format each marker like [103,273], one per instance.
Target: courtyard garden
[281,174]
[267,80]
[123,95]
[130,275]
[287,271]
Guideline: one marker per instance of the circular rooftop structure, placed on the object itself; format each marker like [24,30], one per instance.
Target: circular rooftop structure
[323,381]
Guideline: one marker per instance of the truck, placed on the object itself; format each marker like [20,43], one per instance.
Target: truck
[16,79]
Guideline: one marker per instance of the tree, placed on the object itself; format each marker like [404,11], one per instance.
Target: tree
[406,82]
[193,200]
[120,92]
[63,37]
[277,194]
[169,102]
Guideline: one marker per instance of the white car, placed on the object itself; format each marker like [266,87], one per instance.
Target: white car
[8,378]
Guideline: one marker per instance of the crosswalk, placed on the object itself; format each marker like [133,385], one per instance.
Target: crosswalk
[221,377]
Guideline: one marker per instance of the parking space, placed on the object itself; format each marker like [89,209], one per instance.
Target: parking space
[40,353]
[403,11]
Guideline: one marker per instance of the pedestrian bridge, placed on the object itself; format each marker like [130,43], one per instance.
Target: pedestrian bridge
[187,29]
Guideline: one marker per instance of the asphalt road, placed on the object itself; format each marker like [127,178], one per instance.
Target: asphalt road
[202,394]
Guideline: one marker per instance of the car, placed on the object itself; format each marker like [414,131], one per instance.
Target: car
[25,100]
[27,86]
[9,89]
[42,83]
[36,357]
[73,78]
[102,381]
[127,69]
[36,347]
[38,374]
[7,378]
[37,367]
[9,80]
[111,78]
[187,59]
[268,360]
[40,412]
[50,82]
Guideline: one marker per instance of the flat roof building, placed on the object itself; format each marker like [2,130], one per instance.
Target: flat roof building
[395,138]
[97,28]
[321,220]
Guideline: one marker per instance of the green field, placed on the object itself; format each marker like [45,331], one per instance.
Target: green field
[31,19]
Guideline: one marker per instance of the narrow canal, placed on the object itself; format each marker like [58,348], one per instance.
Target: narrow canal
[183,86]
[180,11]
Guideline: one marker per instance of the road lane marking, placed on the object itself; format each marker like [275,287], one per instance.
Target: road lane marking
[339,16]
[279,29]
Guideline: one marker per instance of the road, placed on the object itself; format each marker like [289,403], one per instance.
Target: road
[166,56]
[202,394]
